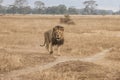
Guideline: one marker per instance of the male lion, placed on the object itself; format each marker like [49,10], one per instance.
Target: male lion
[54,37]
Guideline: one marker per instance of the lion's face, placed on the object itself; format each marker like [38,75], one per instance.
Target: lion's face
[58,32]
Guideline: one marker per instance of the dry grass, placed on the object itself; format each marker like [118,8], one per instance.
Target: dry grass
[89,43]
[74,70]
[114,55]
[9,61]
[20,37]
[14,61]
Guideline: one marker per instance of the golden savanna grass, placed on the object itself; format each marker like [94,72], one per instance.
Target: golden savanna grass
[21,35]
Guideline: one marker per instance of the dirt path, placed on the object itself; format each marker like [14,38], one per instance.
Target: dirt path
[97,57]
[14,74]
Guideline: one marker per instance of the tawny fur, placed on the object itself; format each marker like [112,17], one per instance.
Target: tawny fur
[54,37]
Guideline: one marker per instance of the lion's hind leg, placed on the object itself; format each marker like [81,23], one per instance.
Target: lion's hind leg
[46,41]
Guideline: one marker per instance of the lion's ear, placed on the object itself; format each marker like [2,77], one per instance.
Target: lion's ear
[62,29]
[54,29]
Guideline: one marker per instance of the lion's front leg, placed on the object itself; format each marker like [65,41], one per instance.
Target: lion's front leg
[58,50]
[50,48]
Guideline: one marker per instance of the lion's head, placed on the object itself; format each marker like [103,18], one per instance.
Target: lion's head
[58,35]
[58,32]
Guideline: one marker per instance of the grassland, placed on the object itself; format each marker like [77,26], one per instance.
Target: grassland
[21,35]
